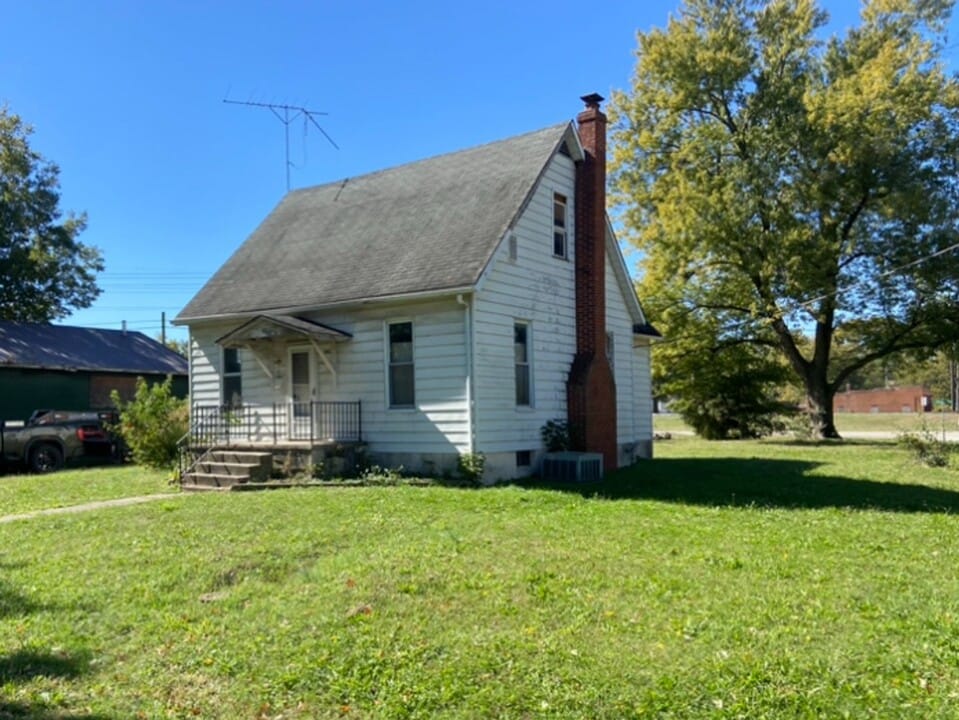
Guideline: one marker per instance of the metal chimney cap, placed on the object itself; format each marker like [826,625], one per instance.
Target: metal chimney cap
[592,100]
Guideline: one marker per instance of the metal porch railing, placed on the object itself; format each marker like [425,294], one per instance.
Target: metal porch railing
[277,422]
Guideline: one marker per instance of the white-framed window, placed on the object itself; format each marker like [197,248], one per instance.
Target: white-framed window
[400,355]
[232,378]
[559,225]
[521,344]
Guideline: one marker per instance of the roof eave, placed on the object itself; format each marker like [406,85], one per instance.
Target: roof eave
[67,368]
[352,302]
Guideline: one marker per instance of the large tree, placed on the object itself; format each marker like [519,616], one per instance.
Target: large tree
[45,272]
[795,186]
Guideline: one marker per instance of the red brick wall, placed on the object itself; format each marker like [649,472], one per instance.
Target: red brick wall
[889,400]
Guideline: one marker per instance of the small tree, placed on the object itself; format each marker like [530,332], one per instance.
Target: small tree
[153,422]
[731,397]
[723,388]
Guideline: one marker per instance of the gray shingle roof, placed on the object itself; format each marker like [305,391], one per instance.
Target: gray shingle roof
[426,226]
[59,347]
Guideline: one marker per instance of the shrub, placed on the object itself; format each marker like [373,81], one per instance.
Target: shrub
[731,395]
[925,447]
[471,466]
[376,475]
[555,434]
[152,423]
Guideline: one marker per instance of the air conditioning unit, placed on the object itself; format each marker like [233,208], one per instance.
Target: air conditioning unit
[573,467]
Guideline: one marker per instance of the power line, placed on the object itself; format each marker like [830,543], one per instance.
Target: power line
[804,305]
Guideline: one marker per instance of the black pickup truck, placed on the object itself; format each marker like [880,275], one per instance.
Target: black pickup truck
[51,438]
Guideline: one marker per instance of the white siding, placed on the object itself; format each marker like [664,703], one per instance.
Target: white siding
[537,288]
[631,368]
[438,423]
[643,393]
[205,361]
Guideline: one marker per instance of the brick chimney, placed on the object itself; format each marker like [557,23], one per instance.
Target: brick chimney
[591,389]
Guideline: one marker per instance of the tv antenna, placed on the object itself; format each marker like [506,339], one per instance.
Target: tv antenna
[286,114]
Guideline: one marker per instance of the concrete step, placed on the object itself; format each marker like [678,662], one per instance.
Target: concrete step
[190,487]
[256,465]
[241,456]
[214,480]
[239,470]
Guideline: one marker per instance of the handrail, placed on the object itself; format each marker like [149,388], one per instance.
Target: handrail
[183,446]
[336,421]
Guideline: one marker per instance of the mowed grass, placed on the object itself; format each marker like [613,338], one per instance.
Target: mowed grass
[23,493]
[848,422]
[730,580]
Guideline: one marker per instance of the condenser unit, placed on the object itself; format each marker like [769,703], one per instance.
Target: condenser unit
[573,467]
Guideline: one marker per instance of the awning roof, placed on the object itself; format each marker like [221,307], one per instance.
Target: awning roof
[280,327]
[647,330]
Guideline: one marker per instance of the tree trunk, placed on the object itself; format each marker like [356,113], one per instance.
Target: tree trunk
[819,398]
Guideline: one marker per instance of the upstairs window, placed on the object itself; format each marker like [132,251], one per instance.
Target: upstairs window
[559,225]
[401,365]
[232,378]
[611,350]
[521,357]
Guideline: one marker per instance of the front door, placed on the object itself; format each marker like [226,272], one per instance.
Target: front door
[301,395]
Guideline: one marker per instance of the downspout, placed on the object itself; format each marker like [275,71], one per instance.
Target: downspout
[189,371]
[468,344]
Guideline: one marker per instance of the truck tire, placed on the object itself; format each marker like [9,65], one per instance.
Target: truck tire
[46,457]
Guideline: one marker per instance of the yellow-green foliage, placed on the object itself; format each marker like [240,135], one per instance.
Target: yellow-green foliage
[153,422]
[780,184]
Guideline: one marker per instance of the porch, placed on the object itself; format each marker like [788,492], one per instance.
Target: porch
[289,424]
[229,447]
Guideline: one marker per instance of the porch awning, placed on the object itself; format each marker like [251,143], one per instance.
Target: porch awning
[280,327]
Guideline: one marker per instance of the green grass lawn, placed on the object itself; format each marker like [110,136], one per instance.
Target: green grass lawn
[846,422]
[22,493]
[724,580]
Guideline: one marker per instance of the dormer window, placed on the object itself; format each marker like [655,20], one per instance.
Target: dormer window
[559,225]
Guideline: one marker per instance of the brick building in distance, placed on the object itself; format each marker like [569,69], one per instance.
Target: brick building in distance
[911,399]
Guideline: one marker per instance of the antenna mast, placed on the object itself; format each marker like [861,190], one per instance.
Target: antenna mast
[289,114]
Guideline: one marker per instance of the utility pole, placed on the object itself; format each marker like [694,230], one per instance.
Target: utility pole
[163,327]
[953,379]
[286,114]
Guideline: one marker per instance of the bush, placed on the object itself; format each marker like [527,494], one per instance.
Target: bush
[925,447]
[376,475]
[152,423]
[471,467]
[732,406]
[555,434]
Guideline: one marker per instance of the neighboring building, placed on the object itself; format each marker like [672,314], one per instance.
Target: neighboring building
[444,307]
[913,399]
[73,368]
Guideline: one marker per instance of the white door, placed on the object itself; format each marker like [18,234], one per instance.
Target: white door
[301,394]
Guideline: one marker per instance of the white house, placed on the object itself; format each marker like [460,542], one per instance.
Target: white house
[449,306]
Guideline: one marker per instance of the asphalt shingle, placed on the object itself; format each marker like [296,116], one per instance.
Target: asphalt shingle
[61,347]
[426,226]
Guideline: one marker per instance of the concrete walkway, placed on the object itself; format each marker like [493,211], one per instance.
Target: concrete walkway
[119,502]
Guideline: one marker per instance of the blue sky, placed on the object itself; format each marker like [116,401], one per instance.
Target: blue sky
[126,97]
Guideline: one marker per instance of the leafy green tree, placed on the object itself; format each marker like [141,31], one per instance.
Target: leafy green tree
[790,185]
[181,347]
[45,272]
